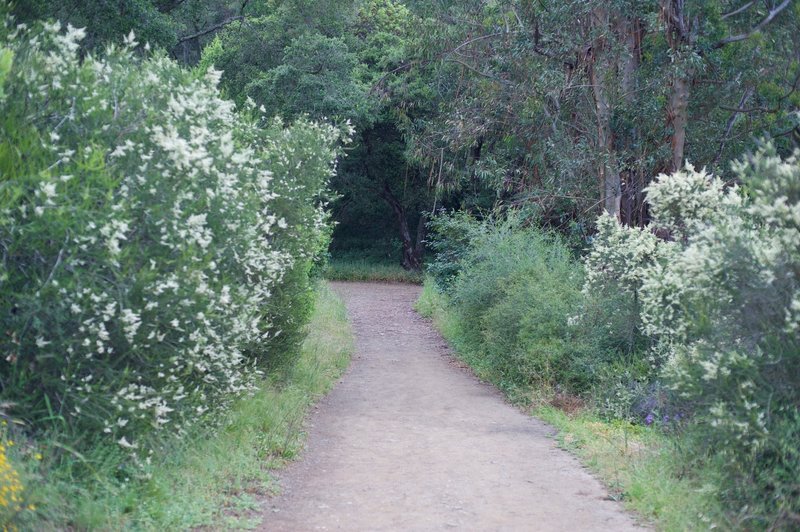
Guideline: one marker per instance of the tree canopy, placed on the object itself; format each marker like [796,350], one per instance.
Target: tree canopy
[561,109]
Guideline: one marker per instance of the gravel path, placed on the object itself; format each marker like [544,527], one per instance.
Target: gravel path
[409,440]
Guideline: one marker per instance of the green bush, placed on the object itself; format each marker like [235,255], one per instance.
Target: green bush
[524,310]
[450,238]
[300,159]
[155,242]
[699,323]
[514,290]
[719,301]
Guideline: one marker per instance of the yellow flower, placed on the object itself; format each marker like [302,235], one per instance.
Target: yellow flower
[10,486]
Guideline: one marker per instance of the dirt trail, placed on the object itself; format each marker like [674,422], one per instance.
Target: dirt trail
[410,441]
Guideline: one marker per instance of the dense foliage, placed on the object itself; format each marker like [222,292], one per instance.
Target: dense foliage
[719,300]
[159,224]
[693,317]
[181,27]
[334,59]
[154,239]
[568,108]
[561,108]
[514,293]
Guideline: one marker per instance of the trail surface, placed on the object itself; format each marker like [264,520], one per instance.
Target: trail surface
[409,440]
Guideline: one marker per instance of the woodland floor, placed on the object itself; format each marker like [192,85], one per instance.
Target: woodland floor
[409,439]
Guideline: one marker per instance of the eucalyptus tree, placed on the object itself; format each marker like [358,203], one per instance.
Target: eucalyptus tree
[339,60]
[574,106]
[105,21]
[182,27]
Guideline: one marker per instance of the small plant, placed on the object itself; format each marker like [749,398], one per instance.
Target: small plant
[12,491]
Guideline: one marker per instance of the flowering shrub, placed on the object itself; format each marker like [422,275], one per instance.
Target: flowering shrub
[619,256]
[146,225]
[720,302]
[11,489]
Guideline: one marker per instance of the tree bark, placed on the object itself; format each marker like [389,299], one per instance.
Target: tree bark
[631,31]
[412,252]
[598,74]
[680,36]
[678,117]
[632,179]
[419,247]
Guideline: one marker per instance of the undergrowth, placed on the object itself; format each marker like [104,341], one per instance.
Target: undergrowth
[355,269]
[641,465]
[212,478]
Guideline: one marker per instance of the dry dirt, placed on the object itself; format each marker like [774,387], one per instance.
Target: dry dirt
[410,440]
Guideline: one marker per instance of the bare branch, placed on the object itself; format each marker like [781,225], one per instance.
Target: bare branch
[476,71]
[741,109]
[479,38]
[441,55]
[748,92]
[404,66]
[212,29]
[735,12]
[758,27]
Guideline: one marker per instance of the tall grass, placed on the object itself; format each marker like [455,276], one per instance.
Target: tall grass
[364,269]
[212,478]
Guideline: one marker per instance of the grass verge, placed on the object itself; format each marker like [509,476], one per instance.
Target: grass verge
[640,465]
[352,269]
[212,479]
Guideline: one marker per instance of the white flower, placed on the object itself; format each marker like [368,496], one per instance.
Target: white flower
[213,76]
[126,444]
[130,40]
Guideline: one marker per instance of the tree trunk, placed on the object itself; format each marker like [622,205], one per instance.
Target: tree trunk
[598,74]
[632,179]
[412,253]
[678,117]
[631,31]
[680,34]
[419,247]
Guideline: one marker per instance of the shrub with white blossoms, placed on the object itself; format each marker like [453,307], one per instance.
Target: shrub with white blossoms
[145,224]
[720,301]
[619,255]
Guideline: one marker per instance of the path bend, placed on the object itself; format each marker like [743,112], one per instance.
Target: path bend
[409,440]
